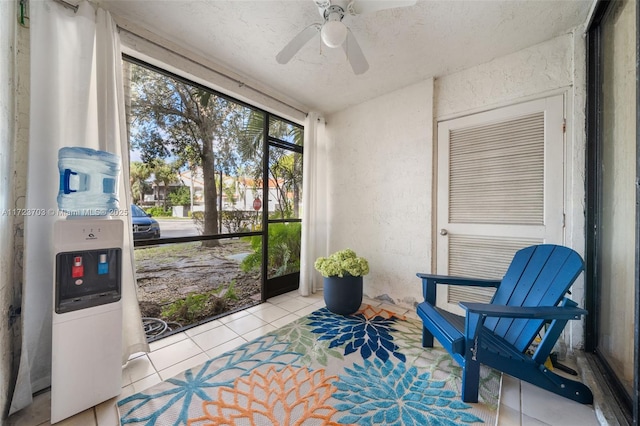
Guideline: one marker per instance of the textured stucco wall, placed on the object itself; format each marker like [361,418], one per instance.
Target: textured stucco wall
[14,140]
[379,179]
[529,72]
[6,246]
[7,126]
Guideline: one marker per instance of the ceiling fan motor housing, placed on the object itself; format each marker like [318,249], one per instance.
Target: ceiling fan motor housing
[333,32]
[334,13]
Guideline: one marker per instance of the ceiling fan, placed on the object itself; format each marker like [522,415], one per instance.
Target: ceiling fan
[334,33]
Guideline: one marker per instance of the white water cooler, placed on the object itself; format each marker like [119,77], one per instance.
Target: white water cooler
[87,314]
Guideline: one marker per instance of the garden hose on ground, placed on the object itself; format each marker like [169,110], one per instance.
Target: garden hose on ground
[154,327]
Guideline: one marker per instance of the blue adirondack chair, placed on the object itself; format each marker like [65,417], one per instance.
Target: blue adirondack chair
[498,334]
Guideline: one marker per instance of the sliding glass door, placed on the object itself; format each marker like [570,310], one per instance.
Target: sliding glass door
[613,225]
[284,223]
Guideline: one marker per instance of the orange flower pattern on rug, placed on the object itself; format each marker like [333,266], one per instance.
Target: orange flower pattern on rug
[290,396]
[371,312]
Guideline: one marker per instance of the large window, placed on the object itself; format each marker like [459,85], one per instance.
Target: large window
[195,155]
[217,193]
[613,215]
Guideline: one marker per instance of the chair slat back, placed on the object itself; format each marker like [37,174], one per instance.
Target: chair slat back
[538,276]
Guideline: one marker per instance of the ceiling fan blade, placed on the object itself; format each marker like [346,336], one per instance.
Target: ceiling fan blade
[296,44]
[355,56]
[369,6]
[322,5]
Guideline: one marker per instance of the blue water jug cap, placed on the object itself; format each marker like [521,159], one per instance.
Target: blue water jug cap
[79,152]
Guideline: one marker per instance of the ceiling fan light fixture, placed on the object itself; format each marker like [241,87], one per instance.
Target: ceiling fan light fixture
[333,33]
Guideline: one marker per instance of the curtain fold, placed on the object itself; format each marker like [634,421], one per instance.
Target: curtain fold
[112,137]
[77,99]
[314,232]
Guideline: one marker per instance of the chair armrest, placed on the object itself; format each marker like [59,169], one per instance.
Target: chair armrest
[477,312]
[445,279]
[429,282]
[533,312]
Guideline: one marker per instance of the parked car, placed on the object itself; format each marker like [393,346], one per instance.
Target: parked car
[144,226]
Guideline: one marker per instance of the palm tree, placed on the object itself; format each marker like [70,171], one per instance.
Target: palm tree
[163,175]
[139,172]
[285,168]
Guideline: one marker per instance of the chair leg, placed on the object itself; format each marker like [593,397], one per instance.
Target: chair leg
[525,369]
[560,385]
[427,338]
[470,380]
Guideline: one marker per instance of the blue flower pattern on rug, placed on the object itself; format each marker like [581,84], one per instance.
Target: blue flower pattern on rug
[370,336]
[387,393]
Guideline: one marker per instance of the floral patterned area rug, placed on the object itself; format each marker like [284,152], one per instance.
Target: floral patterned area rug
[323,369]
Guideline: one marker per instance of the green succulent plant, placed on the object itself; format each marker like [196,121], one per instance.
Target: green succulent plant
[342,263]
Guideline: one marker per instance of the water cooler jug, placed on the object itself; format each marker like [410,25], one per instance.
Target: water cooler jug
[87,311]
[88,181]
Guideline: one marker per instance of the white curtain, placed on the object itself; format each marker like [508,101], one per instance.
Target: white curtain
[314,194]
[77,99]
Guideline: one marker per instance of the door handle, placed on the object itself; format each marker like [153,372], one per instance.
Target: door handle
[443,231]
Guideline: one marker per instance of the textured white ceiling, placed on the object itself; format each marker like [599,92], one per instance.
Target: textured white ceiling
[403,45]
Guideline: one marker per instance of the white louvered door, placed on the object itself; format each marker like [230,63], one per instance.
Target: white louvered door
[500,188]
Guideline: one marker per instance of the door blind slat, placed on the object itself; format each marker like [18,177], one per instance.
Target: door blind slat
[480,257]
[497,172]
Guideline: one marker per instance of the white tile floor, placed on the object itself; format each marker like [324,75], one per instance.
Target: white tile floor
[521,404]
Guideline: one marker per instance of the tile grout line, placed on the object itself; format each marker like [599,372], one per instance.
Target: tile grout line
[237,335]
